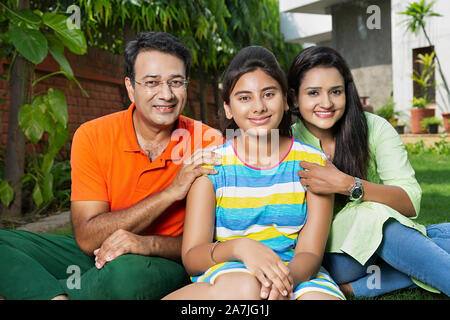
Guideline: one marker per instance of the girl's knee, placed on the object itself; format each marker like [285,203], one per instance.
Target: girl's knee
[237,286]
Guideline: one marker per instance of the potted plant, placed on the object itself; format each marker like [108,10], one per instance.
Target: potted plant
[417,13]
[420,103]
[431,124]
[446,121]
[387,112]
[418,112]
[400,127]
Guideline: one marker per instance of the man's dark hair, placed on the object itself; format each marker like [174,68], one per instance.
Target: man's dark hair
[155,40]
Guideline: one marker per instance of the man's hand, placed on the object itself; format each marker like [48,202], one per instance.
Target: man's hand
[119,243]
[324,179]
[191,169]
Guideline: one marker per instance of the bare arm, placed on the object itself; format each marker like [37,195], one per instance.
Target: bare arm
[329,179]
[312,238]
[93,222]
[197,243]
[199,226]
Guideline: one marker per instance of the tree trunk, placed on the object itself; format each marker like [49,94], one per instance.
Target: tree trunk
[20,94]
[202,94]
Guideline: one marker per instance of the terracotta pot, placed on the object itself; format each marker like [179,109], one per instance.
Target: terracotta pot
[417,114]
[445,121]
[366,106]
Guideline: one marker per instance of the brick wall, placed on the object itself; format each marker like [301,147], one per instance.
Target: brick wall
[100,73]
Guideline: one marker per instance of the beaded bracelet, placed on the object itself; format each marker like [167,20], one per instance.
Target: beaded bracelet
[212,251]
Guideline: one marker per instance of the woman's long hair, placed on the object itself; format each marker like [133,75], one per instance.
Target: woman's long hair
[351,132]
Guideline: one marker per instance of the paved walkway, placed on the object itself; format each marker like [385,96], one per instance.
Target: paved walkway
[428,139]
[48,223]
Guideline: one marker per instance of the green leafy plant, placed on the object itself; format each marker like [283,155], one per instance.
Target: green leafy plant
[430,121]
[33,35]
[423,78]
[387,112]
[441,147]
[417,13]
[420,102]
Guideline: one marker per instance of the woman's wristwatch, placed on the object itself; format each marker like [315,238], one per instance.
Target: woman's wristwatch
[357,191]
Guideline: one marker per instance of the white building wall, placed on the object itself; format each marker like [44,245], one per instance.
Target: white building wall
[403,42]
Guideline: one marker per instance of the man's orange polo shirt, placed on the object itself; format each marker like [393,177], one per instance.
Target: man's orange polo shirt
[108,165]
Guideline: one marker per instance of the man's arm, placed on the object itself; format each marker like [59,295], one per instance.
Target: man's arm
[93,222]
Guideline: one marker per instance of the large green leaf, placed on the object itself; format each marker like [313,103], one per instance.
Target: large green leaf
[31,44]
[56,49]
[47,162]
[58,105]
[47,188]
[37,195]
[6,193]
[72,38]
[46,119]
[25,15]
[31,121]
[57,138]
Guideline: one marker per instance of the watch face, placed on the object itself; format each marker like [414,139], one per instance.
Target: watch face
[357,193]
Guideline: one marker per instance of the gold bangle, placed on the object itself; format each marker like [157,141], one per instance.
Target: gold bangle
[212,251]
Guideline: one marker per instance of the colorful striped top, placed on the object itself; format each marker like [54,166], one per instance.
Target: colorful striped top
[267,205]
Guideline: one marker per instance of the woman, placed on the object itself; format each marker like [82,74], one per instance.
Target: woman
[377,194]
[250,231]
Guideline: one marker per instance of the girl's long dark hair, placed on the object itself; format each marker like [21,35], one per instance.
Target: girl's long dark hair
[351,132]
[248,60]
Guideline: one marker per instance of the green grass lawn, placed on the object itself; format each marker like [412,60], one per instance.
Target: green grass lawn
[433,174]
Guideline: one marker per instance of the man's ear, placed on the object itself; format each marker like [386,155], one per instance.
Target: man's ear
[130,89]
[227,109]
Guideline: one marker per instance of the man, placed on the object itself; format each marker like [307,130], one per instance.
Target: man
[131,171]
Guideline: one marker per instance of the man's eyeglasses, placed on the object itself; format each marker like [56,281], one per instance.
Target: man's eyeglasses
[154,85]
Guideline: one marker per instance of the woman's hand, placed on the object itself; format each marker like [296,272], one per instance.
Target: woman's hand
[325,179]
[268,268]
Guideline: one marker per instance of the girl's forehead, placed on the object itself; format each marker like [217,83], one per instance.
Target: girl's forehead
[255,80]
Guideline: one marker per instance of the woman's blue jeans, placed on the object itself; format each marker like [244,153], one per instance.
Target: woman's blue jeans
[404,252]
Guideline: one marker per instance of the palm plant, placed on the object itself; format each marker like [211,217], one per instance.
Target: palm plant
[417,13]
[424,78]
